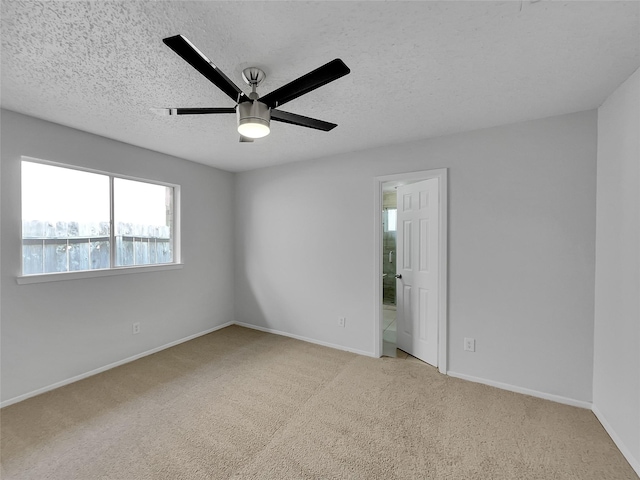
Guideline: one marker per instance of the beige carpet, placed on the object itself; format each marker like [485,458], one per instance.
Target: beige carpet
[239,404]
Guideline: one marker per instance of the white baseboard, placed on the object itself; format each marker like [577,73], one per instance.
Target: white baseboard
[634,462]
[305,339]
[525,391]
[62,383]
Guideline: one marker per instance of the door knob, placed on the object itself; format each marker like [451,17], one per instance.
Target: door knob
[398,276]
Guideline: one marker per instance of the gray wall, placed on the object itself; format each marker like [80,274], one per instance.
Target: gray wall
[521,249]
[521,272]
[616,379]
[54,331]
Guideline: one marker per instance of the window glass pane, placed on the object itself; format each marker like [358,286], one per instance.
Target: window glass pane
[143,218]
[65,217]
[393,219]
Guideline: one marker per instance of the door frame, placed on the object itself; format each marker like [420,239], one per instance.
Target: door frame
[412,177]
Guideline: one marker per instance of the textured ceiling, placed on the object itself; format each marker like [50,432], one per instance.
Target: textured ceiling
[418,69]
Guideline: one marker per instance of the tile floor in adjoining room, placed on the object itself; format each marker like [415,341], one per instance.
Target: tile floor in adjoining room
[389,333]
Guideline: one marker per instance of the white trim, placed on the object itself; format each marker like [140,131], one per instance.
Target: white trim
[441,175]
[106,272]
[306,339]
[377,268]
[525,391]
[176,225]
[443,301]
[635,463]
[71,166]
[112,226]
[82,376]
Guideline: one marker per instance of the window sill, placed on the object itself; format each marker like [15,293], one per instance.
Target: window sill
[57,277]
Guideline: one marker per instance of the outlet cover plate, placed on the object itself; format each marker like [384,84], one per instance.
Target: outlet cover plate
[470,344]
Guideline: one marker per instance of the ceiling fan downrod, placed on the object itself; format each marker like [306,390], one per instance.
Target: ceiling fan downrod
[254,117]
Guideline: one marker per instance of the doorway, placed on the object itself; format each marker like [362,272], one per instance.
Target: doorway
[389,254]
[411,277]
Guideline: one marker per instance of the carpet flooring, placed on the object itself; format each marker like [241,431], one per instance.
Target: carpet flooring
[242,404]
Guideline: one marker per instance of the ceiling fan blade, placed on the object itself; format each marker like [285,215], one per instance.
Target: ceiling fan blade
[198,60]
[293,119]
[244,139]
[192,111]
[306,83]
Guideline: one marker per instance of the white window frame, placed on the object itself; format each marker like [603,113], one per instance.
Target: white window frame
[113,269]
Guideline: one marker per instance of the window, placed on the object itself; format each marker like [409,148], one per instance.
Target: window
[143,214]
[75,220]
[390,219]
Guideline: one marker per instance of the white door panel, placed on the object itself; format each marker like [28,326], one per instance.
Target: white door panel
[417,288]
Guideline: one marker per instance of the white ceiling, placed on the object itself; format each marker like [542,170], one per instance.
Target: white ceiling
[418,69]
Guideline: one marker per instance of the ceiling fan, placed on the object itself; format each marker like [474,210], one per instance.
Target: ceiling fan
[254,112]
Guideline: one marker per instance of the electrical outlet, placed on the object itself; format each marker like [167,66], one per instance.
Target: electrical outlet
[470,344]
[136,328]
[342,321]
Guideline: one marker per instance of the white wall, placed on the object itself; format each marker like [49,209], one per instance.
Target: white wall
[521,248]
[522,229]
[54,331]
[616,379]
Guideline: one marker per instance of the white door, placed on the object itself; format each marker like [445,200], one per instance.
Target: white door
[417,269]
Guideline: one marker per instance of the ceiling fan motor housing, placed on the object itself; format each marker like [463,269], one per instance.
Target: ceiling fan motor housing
[253,119]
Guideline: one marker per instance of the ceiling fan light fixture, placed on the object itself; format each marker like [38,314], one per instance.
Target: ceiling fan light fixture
[253,119]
